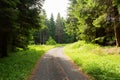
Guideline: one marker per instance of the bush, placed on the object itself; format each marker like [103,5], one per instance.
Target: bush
[51,41]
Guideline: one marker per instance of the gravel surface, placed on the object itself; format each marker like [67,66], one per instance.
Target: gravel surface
[54,65]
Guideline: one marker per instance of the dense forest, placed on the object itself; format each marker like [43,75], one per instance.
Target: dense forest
[94,21]
[54,29]
[24,22]
[18,18]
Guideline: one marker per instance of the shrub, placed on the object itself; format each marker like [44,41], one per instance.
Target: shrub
[51,41]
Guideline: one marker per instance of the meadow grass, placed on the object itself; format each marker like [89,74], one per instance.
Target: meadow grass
[19,65]
[96,61]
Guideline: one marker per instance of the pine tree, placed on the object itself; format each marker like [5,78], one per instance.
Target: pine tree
[59,29]
[17,19]
[51,27]
[8,24]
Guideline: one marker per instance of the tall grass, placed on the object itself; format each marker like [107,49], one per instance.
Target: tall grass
[19,65]
[95,60]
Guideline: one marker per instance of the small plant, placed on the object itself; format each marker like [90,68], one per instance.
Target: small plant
[51,41]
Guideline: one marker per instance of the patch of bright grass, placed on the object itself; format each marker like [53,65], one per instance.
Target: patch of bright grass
[95,60]
[19,65]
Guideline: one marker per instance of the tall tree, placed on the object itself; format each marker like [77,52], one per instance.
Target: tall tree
[115,7]
[17,19]
[8,17]
[51,27]
[71,27]
[112,10]
[42,35]
[91,25]
[29,18]
[59,29]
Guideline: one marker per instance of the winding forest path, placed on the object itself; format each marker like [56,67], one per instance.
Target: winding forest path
[54,65]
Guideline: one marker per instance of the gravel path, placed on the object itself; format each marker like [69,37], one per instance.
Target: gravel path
[54,65]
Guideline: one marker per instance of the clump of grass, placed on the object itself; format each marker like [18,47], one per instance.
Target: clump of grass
[94,60]
[19,65]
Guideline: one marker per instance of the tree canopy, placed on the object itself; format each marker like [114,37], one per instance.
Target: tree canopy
[17,19]
[94,21]
[90,20]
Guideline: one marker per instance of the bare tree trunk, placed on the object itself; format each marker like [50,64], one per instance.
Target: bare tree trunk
[116,26]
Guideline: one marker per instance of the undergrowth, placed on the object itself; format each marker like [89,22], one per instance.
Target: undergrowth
[19,65]
[96,61]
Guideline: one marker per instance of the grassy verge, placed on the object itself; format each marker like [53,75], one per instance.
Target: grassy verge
[20,64]
[101,63]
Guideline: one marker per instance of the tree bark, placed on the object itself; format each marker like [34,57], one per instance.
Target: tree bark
[4,45]
[116,26]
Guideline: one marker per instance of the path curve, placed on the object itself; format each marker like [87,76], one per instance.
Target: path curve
[54,65]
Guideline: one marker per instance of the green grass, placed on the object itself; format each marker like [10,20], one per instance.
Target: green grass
[19,65]
[96,61]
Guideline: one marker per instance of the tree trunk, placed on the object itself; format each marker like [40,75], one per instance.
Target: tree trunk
[4,44]
[116,26]
[117,33]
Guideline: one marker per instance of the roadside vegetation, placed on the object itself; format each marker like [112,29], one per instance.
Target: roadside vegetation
[101,63]
[19,65]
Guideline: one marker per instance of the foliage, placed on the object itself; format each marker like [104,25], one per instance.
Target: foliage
[71,27]
[41,35]
[55,29]
[17,19]
[19,65]
[8,18]
[80,19]
[95,60]
[92,20]
[51,41]
[100,20]
[59,29]
[52,26]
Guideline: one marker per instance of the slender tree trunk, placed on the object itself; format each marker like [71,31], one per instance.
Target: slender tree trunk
[118,37]
[116,26]
[4,44]
[13,47]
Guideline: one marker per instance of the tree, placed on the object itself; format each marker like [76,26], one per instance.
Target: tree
[94,20]
[116,25]
[29,18]
[51,27]
[71,27]
[80,19]
[41,35]
[59,29]
[112,10]
[8,17]
[17,19]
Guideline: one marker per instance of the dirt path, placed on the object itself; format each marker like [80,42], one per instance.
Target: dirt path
[54,65]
